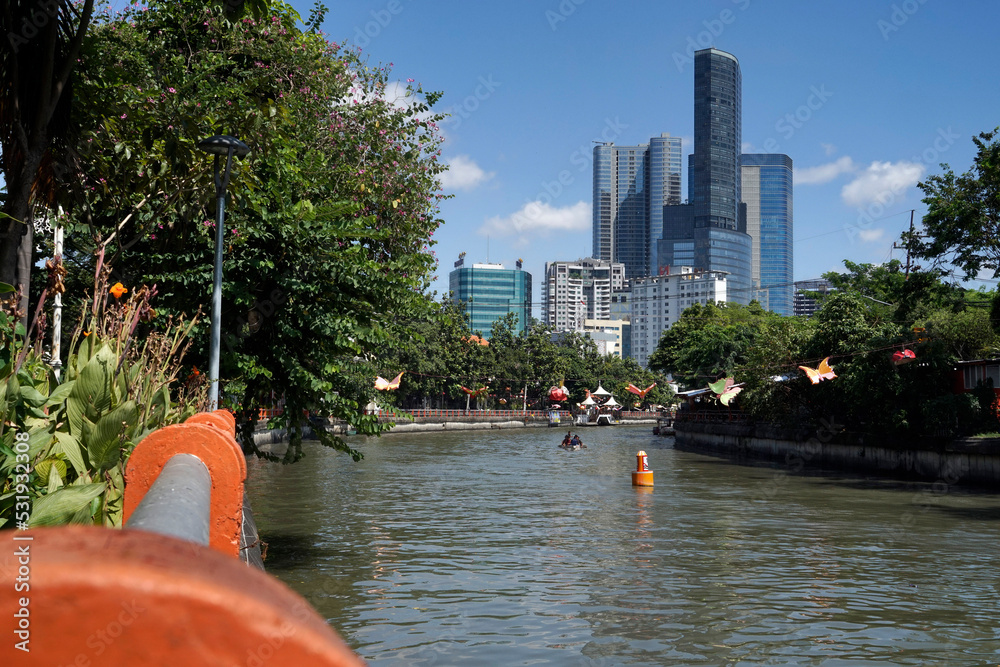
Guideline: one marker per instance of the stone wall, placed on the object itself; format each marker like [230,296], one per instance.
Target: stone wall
[972,461]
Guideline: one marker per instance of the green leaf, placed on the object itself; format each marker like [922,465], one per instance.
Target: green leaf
[69,446]
[60,393]
[4,287]
[58,508]
[104,442]
[94,384]
[32,396]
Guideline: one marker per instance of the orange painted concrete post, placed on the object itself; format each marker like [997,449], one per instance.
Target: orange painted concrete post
[642,476]
[211,438]
[124,597]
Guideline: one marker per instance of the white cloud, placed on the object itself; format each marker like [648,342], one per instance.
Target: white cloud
[871,235]
[829,149]
[824,173]
[541,218]
[464,174]
[882,182]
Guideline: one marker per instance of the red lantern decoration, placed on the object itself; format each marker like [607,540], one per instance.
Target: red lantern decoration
[558,394]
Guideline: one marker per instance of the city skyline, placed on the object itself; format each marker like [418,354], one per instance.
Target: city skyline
[866,98]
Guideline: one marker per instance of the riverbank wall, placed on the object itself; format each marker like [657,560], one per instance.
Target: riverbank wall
[970,461]
[266,436]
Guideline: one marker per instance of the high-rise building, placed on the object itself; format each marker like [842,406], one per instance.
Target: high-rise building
[632,184]
[489,291]
[576,291]
[805,304]
[658,301]
[709,232]
[767,193]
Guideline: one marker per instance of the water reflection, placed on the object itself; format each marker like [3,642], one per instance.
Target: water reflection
[499,548]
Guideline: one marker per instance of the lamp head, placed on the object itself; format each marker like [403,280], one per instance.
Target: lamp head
[220,145]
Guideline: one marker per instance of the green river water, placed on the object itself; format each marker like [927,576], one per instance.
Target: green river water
[498,548]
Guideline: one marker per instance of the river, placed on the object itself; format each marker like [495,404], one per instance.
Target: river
[499,548]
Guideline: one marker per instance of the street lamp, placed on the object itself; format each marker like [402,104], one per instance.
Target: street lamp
[219,145]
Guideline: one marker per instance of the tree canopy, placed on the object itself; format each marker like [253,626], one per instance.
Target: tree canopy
[330,218]
[962,224]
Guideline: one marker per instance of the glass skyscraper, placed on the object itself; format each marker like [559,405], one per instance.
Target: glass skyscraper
[489,291]
[767,193]
[632,184]
[709,233]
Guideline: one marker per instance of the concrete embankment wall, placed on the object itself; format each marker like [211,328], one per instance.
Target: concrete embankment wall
[272,436]
[970,461]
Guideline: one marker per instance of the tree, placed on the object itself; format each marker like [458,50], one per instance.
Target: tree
[331,218]
[709,341]
[43,40]
[962,224]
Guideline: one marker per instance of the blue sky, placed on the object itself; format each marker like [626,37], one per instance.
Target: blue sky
[866,97]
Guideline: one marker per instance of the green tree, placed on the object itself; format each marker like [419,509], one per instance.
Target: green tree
[42,41]
[962,224]
[331,216]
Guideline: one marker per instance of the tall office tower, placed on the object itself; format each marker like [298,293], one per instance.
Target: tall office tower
[767,193]
[632,184]
[709,232]
[574,292]
[489,291]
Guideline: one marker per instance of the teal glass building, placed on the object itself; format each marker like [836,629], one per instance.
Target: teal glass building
[767,193]
[488,292]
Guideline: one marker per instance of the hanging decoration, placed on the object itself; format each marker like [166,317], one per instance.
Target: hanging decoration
[382,384]
[725,390]
[900,357]
[558,393]
[641,393]
[824,372]
[474,392]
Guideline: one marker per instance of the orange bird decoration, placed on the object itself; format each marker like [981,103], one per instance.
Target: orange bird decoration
[474,392]
[641,393]
[824,372]
[382,384]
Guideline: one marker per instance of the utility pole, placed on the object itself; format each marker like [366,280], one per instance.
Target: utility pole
[906,246]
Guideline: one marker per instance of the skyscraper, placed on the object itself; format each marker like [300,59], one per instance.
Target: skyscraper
[632,184]
[709,233]
[767,193]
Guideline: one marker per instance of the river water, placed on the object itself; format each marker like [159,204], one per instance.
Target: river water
[499,548]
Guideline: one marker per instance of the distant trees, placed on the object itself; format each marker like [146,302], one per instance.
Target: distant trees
[445,357]
[873,312]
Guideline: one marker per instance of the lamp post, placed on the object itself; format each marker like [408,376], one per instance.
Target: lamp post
[218,146]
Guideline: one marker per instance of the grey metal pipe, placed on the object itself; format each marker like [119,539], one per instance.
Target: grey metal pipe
[178,502]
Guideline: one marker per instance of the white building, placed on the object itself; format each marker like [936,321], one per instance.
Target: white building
[573,292]
[658,301]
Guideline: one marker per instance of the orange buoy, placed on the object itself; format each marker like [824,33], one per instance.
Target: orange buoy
[642,476]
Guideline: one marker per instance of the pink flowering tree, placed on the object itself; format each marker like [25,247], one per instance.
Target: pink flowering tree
[329,219]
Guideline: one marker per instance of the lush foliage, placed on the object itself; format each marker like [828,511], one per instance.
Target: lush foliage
[962,224]
[64,441]
[329,220]
[872,312]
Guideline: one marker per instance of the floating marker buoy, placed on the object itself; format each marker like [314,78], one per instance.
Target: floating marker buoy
[642,476]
